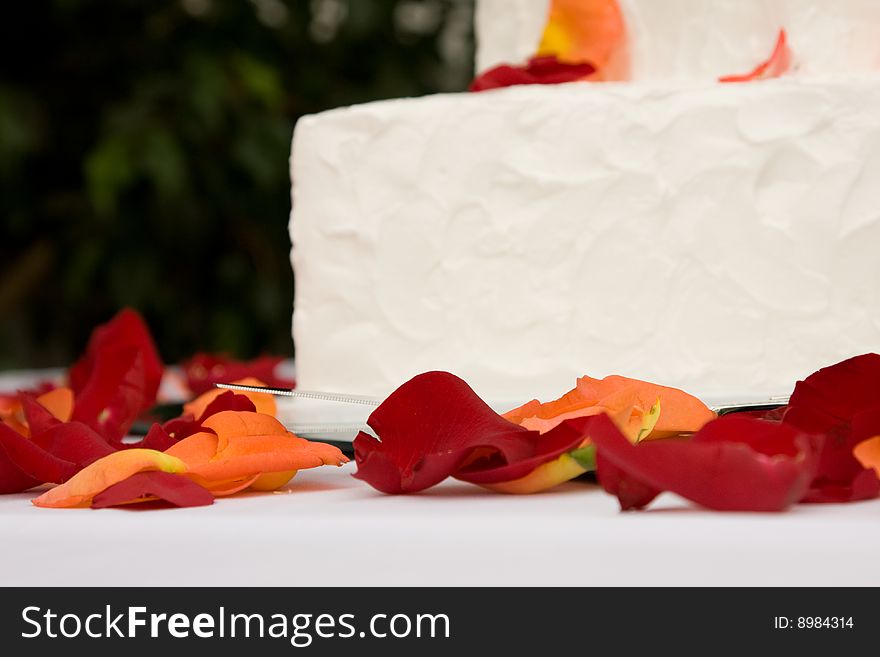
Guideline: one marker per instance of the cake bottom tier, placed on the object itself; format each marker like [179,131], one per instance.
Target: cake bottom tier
[721,238]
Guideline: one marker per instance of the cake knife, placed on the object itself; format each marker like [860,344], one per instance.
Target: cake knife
[720,409]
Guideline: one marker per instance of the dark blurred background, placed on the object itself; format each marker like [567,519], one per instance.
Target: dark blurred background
[144,148]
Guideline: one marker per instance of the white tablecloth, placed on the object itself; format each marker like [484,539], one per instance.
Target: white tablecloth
[328,528]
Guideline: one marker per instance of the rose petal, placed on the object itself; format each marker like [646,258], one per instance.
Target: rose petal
[245,444]
[32,460]
[837,392]
[228,401]
[732,464]
[146,486]
[12,478]
[774,66]
[867,453]
[841,403]
[38,417]
[545,476]
[587,31]
[270,481]
[11,412]
[225,487]
[47,410]
[74,442]
[560,440]
[105,472]
[230,425]
[59,402]
[538,70]
[126,332]
[631,493]
[210,402]
[115,394]
[864,486]
[626,400]
[429,428]
[185,425]
[157,438]
[196,449]
[181,427]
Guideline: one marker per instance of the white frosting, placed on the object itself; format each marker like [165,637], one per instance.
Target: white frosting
[702,40]
[722,238]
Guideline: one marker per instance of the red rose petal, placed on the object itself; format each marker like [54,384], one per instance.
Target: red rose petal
[228,401]
[161,437]
[538,70]
[563,438]
[181,427]
[204,370]
[38,417]
[12,479]
[157,438]
[126,331]
[34,461]
[631,493]
[429,427]
[114,395]
[841,402]
[863,486]
[74,442]
[173,488]
[732,464]
[839,391]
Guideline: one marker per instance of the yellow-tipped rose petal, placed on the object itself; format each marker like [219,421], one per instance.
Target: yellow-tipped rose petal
[630,403]
[105,472]
[592,31]
[544,477]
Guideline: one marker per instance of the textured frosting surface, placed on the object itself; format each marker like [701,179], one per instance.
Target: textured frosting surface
[722,238]
[702,39]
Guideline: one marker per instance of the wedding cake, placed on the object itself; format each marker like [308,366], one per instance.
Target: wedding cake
[659,224]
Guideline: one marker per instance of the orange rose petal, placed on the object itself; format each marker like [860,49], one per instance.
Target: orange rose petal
[59,402]
[248,444]
[628,401]
[263,402]
[587,31]
[195,449]
[283,458]
[103,473]
[867,453]
[227,424]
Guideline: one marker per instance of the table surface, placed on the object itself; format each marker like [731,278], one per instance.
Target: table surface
[327,528]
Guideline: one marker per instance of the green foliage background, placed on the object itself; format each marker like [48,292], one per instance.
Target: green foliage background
[144,148]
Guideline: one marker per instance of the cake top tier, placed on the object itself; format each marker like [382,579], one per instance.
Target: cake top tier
[701,40]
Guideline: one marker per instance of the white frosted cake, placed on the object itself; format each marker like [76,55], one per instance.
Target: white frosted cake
[718,237]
